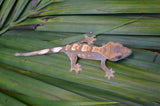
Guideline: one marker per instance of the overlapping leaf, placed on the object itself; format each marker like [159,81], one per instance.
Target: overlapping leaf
[13,12]
[136,76]
[42,80]
[102,7]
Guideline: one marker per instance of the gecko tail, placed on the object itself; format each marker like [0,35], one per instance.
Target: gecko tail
[40,52]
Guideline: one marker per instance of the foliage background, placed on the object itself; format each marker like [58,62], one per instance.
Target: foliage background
[28,25]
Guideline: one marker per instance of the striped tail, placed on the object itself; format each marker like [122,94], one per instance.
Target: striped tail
[41,52]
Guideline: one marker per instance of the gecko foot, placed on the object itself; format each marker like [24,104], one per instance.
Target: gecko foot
[77,68]
[109,74]
[89,39]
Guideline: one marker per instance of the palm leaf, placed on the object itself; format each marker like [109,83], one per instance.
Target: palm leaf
[46,80]
[7,100]
[90,76]
[15,11]
[102,7]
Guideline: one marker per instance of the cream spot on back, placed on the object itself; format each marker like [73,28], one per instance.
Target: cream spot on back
[86,48]
[74,47]
[68,47]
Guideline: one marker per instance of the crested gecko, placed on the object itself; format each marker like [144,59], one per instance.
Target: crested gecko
[86,50]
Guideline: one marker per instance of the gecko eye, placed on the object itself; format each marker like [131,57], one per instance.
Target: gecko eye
[118,56]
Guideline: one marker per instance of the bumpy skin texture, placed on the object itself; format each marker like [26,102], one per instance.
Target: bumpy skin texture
[85,49]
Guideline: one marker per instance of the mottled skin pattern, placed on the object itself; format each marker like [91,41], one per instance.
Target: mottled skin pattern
[86,50]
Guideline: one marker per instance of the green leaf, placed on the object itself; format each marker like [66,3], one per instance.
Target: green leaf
[102,7]
[7,100]
[84,24]
[37,35]
[44,3]
[15,82]
[46,80]
[1,1]
[136,79]
[14,12]
[37,101]
[46,102]
[6,8]
[19,7]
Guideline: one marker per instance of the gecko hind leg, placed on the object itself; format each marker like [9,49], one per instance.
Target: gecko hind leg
[109,73]
[74,66]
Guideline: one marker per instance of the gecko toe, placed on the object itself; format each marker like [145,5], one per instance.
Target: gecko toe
[109,74]
[77,68]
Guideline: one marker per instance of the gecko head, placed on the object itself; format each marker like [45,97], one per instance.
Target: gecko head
[116,51]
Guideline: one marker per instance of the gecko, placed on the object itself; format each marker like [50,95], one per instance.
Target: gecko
[86,50]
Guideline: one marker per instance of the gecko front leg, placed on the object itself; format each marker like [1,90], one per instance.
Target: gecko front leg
[88,40]
[109,73]
[73,58]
